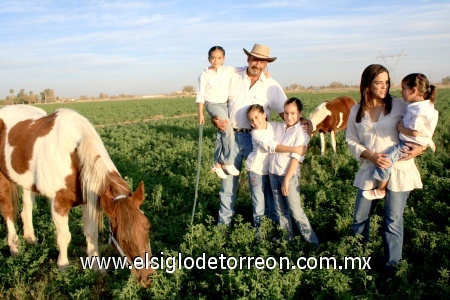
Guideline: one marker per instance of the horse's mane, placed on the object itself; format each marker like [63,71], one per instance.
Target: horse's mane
[130,221]
[95,164]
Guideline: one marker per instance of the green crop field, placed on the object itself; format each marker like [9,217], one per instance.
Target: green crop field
[156,140]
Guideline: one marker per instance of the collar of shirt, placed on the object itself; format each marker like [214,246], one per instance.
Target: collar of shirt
[262,77]
[298,124]
[219,70]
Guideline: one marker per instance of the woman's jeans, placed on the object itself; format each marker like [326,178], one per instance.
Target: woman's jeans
[290,205]
[224,151]
[393,222]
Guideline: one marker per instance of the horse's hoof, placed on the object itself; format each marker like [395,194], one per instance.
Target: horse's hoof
[31,240]
[14,253]
[62,268]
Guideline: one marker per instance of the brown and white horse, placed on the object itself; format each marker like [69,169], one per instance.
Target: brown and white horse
[62,157]
[331,116]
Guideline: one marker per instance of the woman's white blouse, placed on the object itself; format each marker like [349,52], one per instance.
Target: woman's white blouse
[364,135]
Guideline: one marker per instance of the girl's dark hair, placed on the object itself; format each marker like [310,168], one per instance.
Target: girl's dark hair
[367,77]
[257,107]
[420,81]
[296,101]
[214,49]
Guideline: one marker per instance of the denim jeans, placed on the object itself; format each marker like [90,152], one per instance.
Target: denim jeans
[393,222]
[242,147]
[261,194]
[393,154]
[290,205]
[224,150]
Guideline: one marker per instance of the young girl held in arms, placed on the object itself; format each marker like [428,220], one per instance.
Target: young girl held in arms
[416,127]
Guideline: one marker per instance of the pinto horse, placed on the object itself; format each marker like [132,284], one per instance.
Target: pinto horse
[331,116]
[62,157]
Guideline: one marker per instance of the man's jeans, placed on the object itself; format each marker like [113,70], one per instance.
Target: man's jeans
[242,146]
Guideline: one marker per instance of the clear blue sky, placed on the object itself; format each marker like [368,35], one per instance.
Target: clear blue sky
[151,47]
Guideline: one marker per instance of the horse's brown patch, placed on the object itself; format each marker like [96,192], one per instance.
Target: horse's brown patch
[23,136]
[334,121]
[72,195]
[6,202]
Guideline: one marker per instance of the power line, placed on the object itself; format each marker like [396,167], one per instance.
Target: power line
[396,58]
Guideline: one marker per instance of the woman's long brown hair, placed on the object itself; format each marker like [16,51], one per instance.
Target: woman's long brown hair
[367,77]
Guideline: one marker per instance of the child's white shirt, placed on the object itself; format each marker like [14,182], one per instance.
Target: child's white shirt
[213,86]
[263,144]
[293,136]
[422,117]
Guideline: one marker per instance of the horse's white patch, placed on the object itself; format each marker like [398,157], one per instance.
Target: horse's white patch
[319,114]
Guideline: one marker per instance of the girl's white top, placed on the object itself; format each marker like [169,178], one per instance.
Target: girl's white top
[293,136]
[422,117]
[213,86]
[263,144]
[364,135]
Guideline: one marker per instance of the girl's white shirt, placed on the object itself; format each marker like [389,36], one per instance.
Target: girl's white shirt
[293,136]
[364,135]
[422,117]
[213,86]
[263,144]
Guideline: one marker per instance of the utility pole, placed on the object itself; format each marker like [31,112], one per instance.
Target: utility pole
[391,67]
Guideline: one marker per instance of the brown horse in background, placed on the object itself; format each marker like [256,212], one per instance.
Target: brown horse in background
[331,116]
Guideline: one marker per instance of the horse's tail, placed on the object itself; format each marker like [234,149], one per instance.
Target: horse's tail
[95,165]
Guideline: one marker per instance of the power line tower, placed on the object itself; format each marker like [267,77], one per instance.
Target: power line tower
[392,66]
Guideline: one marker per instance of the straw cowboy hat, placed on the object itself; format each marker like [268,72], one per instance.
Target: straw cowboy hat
[262,52]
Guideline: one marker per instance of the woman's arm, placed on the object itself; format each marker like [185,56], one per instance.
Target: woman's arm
[415,151]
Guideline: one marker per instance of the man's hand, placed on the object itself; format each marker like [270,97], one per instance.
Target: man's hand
[222,125]
[307,125]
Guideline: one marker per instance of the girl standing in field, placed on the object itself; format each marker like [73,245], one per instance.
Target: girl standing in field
[257,163]
[416,127]
[284,172]
[371,130]
[212,92]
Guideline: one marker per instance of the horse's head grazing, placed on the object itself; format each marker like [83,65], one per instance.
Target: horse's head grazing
[130,227]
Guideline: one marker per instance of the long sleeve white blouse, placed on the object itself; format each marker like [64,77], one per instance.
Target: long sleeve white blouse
[378,138]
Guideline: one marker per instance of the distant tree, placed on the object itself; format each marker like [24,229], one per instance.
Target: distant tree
[189,89]
[47,95]
[103,96]
[335,85]
[11,91]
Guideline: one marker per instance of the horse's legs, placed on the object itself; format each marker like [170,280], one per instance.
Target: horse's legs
[27,216]
[333,140]
[91,233]
[60,216]
[322,143]
[7,209]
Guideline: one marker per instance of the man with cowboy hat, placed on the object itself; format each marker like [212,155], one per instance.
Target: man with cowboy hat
[247,87]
